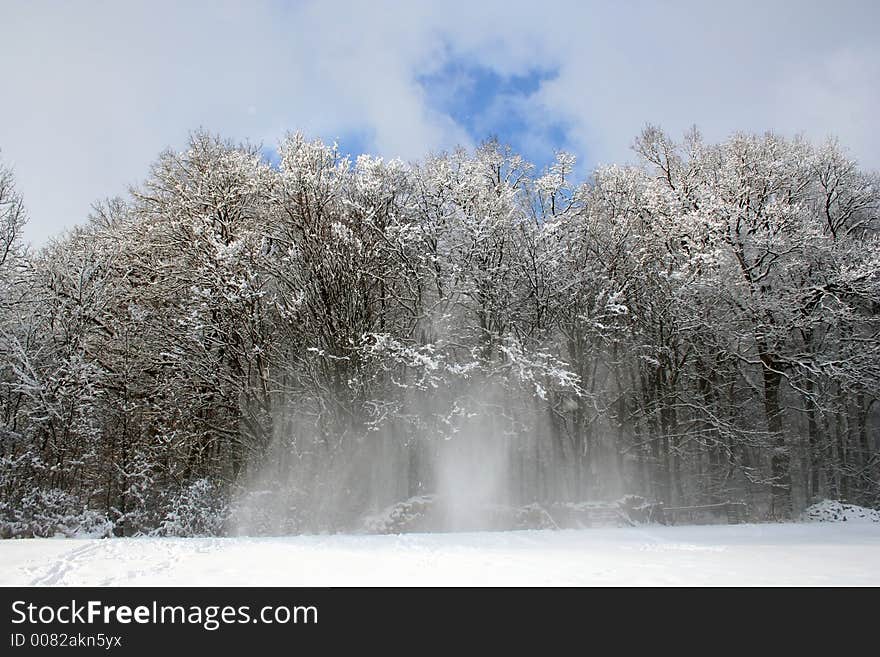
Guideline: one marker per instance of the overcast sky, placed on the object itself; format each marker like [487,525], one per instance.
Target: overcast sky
[93,91]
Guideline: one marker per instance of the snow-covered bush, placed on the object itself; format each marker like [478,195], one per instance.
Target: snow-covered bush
[533,516]
[46,513]
[414,514]
[425,513]
[836,511]
[627,511]
[638,509]
[267,512]
[197,510]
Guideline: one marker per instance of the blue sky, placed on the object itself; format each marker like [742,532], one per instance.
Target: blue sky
[485,104]
[95,90]
[489,105]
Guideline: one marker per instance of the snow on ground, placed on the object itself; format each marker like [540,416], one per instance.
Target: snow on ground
[757,554]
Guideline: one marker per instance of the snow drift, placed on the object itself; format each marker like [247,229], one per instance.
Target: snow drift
[836,511]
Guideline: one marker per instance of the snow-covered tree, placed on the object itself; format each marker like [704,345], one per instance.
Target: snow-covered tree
[295,346]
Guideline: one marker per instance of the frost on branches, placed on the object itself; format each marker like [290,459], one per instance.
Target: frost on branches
[241,348]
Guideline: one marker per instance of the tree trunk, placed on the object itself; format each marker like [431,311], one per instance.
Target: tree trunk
[814,439]
[779,460]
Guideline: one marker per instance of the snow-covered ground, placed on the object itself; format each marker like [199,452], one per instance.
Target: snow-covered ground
[765,554]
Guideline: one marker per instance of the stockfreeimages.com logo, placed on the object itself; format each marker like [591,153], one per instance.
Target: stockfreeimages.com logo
[210,617]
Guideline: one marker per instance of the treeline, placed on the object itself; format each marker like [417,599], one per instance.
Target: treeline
[241,346]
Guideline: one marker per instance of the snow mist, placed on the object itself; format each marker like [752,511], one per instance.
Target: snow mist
[455,456]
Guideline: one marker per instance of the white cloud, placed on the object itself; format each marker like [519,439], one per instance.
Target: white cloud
[93,91]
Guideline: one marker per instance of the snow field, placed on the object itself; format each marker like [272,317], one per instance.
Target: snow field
[724,555]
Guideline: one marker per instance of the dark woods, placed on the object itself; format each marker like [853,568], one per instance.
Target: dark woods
[237,347]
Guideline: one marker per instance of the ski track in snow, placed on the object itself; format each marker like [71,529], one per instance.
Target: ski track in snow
[771,554]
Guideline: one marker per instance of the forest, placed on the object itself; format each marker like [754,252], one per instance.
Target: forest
[245,345]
